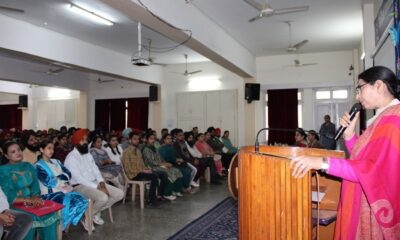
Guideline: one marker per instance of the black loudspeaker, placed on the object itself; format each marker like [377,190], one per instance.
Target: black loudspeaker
[23,101]
[153,93]
[252,92]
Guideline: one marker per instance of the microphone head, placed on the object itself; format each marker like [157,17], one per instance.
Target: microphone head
[356,107]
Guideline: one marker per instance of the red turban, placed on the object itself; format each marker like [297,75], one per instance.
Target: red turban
[218,131]
[78,135]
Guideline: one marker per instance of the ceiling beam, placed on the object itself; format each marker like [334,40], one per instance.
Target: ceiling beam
[242,66]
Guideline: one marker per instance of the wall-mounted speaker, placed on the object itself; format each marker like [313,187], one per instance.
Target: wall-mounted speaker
[23,101]
[252,92]
[153,93]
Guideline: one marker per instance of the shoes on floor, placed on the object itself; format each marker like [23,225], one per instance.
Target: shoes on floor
[97,219]
[86,226]
[177,194]
[170,197]
[194,184]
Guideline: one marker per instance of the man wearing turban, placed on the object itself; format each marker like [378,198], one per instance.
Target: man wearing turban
[86,177]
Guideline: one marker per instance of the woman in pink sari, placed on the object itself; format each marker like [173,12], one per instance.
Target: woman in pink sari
[369,206]
[207,151]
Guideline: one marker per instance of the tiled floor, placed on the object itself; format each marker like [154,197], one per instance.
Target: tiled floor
[131,222]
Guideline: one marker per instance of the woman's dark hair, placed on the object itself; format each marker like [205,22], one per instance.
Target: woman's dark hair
[225,132]
[384,74]
[199,135]
[301,132]
[112,150]
[5,147]
[165,136]
[95,139]
[43,144]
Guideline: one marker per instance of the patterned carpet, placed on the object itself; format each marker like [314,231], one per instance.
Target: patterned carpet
[221,222]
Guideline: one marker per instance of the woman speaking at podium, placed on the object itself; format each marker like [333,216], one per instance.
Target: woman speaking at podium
[369,206]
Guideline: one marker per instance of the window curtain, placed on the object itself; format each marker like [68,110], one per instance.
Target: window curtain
[102,114]
[282,113]
[117,114]
[138,113]
[11,116]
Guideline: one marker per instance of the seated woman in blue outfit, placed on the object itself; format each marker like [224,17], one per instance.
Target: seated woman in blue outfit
[54,185]
[21,186]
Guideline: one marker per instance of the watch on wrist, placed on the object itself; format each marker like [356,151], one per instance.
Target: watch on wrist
[324,165]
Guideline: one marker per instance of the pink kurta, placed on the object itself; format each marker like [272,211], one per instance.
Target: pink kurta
[369,207]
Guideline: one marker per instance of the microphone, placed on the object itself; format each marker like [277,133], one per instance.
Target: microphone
[257,144]
[354,109]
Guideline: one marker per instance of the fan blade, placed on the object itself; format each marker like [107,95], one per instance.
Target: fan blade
[17,10]
[256,17]
[300,44]
[255,4]
[177,73]
[291,10]
[194,72]
[56,70]
[307,64]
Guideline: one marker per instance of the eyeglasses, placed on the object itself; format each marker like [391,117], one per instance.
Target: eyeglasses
[358,88]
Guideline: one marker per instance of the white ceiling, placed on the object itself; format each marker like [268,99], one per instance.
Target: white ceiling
[329,25]
[122,37]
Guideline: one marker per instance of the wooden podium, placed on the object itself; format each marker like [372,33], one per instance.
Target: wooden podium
[272,203]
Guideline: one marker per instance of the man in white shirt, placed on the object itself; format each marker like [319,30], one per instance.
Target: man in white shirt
[16,224]
[86,177]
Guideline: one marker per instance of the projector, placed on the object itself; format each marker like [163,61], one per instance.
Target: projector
[139,61]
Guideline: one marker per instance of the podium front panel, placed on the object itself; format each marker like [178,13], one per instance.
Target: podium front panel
[272,203]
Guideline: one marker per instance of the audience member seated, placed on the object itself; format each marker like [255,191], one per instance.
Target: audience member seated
[163,132]
[86,177]
[300,138]
[135,169]
[54,185]
[168,152]
[30,143]
[201,162]
[21,186]
[217,145]
[228,144]
[125,138]
[195,131]
[171,177]
[61,150]
[16,224]
[114,150]
[207,151]
[110,171]
[313,139]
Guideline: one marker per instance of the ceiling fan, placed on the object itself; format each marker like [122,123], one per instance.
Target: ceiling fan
[11,9]
[51,72]
[297,63]
[186,73]
[293,48]
[100,81]
[267,11]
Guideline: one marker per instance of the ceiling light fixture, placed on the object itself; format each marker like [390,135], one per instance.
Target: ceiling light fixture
[95,17]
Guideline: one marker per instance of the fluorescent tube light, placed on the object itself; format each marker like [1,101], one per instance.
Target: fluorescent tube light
[90,15]
[204,83]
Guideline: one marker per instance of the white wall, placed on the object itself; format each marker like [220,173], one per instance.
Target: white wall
[8,98]
[175,83]
[332,70]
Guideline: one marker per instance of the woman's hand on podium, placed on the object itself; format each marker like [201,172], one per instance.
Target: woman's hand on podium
[302,164]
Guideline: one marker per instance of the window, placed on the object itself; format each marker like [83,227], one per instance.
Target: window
[322,95]
[326,94]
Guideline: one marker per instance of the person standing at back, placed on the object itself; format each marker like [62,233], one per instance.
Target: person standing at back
[327,134]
